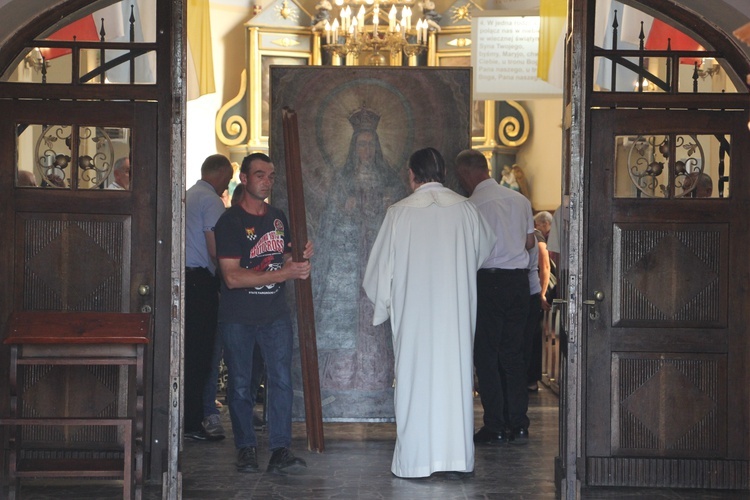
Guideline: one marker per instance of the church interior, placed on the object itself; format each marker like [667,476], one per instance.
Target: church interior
[636,396]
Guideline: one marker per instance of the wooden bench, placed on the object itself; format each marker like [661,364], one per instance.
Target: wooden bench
[71,338]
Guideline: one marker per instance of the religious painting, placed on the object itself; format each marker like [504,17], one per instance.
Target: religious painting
[357,128]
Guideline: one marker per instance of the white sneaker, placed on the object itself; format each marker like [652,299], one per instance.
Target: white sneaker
[214,429]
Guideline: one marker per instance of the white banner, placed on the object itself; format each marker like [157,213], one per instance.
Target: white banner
[504,56]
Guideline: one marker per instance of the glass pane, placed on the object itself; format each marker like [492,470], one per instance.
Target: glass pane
[37,67]
[93,157]
[625,79]
[118,67]
[705,75]
[629,29]
[641,167]
[103,158]
[115,21]
[27,173]
[706,176]
[645,169]
[54,65]
[52,154]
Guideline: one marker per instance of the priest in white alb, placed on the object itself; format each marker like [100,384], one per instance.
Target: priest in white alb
[422,275]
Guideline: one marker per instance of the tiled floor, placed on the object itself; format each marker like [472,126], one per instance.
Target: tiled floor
[356,465]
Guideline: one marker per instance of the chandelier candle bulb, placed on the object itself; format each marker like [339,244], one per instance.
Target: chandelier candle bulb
[346,15]
[392,19]
[328,32]
[361,17]
[335,30]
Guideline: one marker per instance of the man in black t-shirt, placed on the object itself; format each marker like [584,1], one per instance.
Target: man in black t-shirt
[252,244]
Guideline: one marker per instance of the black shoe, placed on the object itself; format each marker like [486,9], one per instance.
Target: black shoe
[247,460]
[196,435]
[520,436]
[284,462]
[486,436]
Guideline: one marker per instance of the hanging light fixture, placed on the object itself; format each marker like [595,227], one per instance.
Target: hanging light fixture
[373,26]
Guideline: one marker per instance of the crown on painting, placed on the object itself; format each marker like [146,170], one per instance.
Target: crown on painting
[364,119]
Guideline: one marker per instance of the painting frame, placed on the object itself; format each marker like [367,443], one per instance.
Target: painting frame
[267,47]
[453,50]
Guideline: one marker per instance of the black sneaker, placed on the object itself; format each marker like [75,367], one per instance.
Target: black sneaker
[247,460]
[196,435]
[284,462]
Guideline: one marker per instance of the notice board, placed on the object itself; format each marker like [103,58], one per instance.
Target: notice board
[504,56]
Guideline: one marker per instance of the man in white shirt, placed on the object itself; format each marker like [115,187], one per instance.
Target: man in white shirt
[422,274]
[203,207]
[502,303]
[121,173]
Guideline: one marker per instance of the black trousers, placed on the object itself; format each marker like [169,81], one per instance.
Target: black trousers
[201,311]
[502,310]
[533,346]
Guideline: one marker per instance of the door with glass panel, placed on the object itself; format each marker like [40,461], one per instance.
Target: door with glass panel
[667,280]
[80,179]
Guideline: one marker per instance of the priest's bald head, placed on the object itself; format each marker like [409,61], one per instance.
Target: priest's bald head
[426,165]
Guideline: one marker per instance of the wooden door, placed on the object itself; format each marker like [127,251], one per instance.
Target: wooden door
[74,242]
[666,370]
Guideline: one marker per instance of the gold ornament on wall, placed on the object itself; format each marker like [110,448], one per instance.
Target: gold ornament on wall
[460,42]
[461,13]
[285,12]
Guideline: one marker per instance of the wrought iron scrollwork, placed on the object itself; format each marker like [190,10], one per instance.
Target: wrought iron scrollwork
[649,156]
[57,164]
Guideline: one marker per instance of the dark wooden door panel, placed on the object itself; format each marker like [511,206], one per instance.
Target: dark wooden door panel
[73,262]
[669,404]
[666,344]
[669,275]
[78,249]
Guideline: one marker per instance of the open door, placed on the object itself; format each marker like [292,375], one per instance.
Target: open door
[667,313]
[655,187]
[79,236]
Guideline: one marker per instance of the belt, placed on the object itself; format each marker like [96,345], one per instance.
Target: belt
[193,269]
[497,270]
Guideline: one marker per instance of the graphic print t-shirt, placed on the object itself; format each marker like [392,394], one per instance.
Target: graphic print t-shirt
[259,242]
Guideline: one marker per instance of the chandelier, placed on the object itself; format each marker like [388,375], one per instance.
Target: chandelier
[377,25]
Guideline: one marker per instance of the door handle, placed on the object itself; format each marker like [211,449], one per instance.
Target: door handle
[592,304]
[144,290]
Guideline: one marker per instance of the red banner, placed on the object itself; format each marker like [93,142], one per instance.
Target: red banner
[83,30]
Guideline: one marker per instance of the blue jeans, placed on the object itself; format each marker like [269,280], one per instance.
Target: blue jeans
[212,384]
[275,341]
